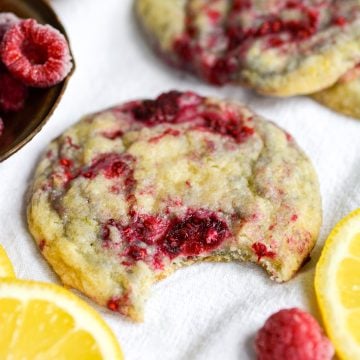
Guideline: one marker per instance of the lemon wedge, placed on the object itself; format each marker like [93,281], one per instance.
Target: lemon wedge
[6,268]
[337,285]
[44,321]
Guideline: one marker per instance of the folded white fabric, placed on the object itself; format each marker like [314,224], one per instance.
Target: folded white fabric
[207,311]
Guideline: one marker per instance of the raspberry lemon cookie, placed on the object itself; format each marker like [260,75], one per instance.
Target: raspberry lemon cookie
[130,194]
[277,47]
[344,96]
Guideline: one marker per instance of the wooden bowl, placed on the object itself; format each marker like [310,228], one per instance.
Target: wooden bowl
[22,126]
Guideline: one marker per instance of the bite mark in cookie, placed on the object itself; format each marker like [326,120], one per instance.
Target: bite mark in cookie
[186,179]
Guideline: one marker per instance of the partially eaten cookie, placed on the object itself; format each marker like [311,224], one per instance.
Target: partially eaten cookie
[130,194]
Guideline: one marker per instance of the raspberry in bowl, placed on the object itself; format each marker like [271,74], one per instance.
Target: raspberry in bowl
[35,66]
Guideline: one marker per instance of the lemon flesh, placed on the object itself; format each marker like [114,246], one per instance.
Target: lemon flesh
[337,284]
[44,321]
[6,268]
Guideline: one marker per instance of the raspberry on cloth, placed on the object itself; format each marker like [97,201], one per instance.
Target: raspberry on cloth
[292,334]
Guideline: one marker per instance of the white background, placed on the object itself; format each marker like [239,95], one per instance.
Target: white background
[207,311]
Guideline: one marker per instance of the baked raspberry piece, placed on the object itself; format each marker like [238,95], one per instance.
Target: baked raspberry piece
[6,21]
[292,334]
[198,232]
[38,55]
[13,93]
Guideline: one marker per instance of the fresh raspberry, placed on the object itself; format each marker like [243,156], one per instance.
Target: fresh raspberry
[38,55]
[13,93]
[6,21]
[1,126]
[292,334]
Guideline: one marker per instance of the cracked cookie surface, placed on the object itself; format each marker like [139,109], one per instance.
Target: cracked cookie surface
[130,194]
[277,47]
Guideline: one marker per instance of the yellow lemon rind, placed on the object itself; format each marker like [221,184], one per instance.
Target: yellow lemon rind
[6,267]
[85,316]
[333,313]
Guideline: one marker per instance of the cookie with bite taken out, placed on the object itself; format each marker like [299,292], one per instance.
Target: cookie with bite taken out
[128,195]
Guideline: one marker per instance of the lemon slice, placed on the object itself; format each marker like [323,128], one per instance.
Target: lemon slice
[337,284]
[6,268]
[44,321]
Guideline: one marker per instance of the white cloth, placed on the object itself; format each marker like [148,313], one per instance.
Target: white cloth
[206,311]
